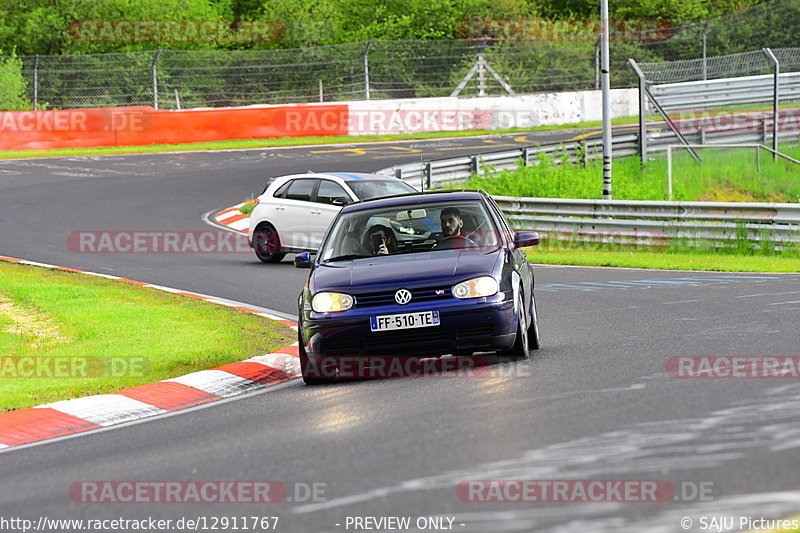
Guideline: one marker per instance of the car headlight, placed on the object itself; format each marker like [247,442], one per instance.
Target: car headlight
[331,302]
[476,287]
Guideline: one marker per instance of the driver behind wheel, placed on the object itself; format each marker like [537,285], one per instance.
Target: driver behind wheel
[452,225]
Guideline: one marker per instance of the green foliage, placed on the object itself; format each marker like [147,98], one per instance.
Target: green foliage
[48,27]
[13,88]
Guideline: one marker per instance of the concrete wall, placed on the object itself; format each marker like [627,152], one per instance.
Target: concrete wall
[496,112]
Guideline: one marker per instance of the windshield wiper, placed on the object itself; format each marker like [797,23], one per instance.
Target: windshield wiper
[346,257]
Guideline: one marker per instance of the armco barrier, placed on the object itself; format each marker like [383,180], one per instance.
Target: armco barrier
[621,221]
[649,222]
[136,126]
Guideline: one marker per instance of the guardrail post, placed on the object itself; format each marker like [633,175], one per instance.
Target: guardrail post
[154,72]
[702,136]
[777,66]
[428,175]
[583,148]
[475,164]
[642,109]
[526,157]
[398,173]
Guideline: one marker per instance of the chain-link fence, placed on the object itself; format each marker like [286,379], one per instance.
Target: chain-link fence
[400,69]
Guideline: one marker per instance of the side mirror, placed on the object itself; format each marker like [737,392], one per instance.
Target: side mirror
[303,260]
[524,238]
[342,201]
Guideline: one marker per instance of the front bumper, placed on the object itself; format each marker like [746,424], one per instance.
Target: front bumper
[475,325]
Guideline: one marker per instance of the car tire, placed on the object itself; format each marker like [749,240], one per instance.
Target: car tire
[267,244]
[520,348]
[534,341]
[304,366]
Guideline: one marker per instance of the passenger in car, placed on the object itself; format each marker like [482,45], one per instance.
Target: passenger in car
[380,240]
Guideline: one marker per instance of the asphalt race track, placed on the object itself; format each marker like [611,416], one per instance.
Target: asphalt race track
[596,402]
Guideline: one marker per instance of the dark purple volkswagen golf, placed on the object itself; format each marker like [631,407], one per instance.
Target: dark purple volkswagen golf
[422,274]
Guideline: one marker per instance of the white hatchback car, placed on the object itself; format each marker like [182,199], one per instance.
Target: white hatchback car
[293,212]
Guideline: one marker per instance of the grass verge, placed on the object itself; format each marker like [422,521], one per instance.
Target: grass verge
[65,335]
[666,260]
[723,175]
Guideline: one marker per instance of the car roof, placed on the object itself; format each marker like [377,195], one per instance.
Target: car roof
[414,198]
[357,176]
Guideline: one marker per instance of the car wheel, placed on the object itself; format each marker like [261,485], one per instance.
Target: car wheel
[267,244]
[307,369]
[533,330]
[520,348]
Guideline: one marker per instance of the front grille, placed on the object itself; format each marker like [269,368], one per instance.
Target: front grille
[427,294]
[339,344]
[463,334]
[432,338]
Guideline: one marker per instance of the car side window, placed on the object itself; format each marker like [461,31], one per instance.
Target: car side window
[329,191]
[281,192]
[301,190]
[503,222]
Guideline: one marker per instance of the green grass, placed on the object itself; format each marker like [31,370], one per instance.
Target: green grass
[723,175]
[100,322]
[291,141]
[665,260]
[248,207]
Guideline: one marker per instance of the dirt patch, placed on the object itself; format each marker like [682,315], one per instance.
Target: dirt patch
[42,331]
[729,194]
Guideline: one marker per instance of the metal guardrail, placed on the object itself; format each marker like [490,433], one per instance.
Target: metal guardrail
[726,92]
[650,222]
[621,221]
[427,174]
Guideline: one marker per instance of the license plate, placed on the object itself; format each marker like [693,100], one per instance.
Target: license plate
[421,319]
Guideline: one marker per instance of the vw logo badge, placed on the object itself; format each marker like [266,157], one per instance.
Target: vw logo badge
[403,296]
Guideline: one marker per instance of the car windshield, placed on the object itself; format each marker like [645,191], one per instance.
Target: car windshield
[366,189]
[430,227]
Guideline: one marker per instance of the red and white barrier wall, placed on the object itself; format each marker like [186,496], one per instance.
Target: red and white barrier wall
[136,126]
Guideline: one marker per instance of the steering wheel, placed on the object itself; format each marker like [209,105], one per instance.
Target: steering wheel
[452,242]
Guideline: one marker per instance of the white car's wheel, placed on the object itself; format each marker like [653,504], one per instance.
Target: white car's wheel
[267,244]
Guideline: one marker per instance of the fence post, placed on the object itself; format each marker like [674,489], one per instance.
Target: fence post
[366,69]
[526,158]
[597,65]
[705,51]
[642,109]
[398,173]
[36,83]
[776,97]
[154,71]
[320,90]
